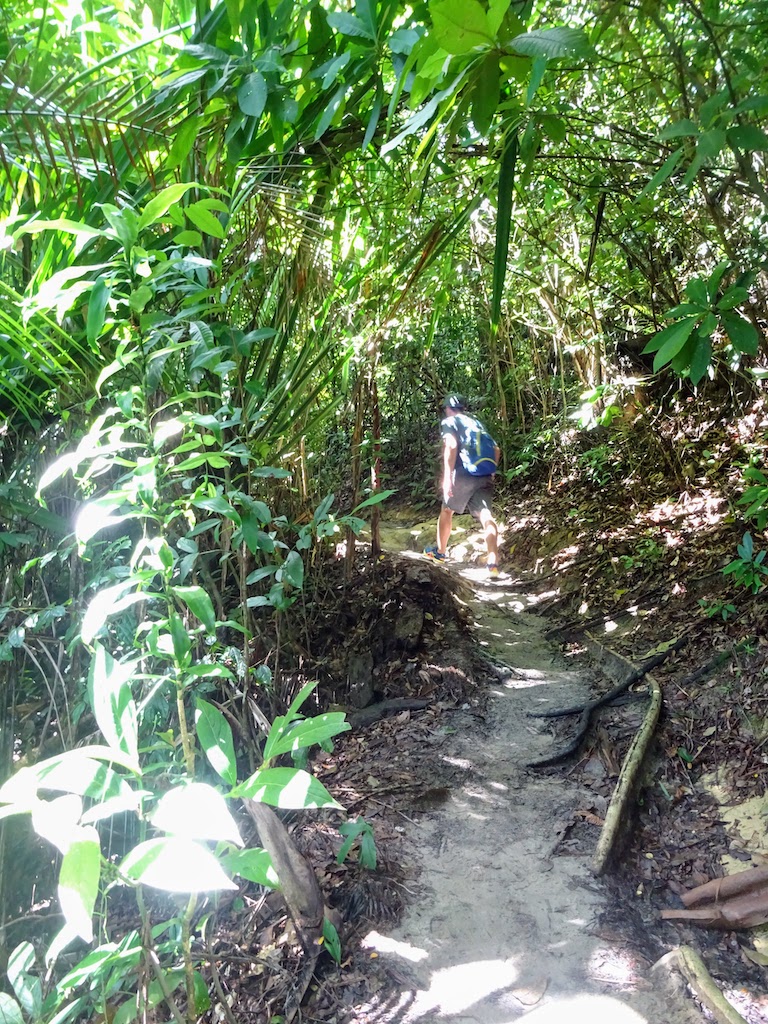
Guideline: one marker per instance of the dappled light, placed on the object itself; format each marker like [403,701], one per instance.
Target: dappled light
[383,510]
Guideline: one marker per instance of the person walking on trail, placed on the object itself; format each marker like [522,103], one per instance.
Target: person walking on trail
[470,459]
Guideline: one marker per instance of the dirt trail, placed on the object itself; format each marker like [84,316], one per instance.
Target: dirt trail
[503,926]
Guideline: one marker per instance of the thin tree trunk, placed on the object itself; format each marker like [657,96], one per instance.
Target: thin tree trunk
[357,439]
[375,466]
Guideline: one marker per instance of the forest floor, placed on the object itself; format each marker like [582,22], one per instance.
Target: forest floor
[491,859]
[483,905]
[503,918]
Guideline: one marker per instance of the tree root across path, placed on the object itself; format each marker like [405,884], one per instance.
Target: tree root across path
[587,708]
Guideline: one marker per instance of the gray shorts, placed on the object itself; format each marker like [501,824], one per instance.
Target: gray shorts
[471,494]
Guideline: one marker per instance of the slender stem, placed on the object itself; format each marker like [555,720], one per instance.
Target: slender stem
[186,952]
[186,741]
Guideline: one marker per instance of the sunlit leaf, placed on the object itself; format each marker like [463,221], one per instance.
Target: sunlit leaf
[285,787]
[111,697]
[79,883]
[215,735]
[298,735]
[199,603]
[160,204]
[460,25]
[553,42]
[196,811]
[349,25]
[175,864]
[26,985]
[10,1011]
[253,864]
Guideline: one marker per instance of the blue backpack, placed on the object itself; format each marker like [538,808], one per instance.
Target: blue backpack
[477,449]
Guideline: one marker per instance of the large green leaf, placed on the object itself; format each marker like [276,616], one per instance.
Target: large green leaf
[668,342]
[111,697]
[196,811]
[79,883]
[199,603]
[293,570]
[215,735]
[552,42]
[460,25]
[252,97]
[26,985]
[485,94]
[349,25]
[10,1011]
[175,865]
[742,333]
[298,735]
[254,864]
[748,137]
[160,204]
[285,787]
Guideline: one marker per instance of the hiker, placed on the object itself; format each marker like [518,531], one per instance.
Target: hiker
[470,458]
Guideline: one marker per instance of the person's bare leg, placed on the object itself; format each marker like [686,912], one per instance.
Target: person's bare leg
[491,536]
[444,521]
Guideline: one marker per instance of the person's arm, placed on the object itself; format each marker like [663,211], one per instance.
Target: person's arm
[497,457]
[450,451]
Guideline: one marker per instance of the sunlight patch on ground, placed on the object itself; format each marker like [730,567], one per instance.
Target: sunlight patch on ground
[384,944]
[454,989]
[459,762]
[586,1008]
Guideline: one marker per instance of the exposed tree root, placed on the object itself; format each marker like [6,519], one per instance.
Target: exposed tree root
[371,714]
[689,964]
[586,709]
[616,819]
[714,663]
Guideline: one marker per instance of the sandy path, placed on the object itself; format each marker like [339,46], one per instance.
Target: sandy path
[503,926]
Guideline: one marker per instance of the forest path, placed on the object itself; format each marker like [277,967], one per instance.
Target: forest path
[503,923]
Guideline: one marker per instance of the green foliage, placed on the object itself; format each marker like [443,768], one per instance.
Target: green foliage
[755,497]
[600,464]
[331,940]
[353,830]
[748,569]
[686,345]
[713,609]
[648,553]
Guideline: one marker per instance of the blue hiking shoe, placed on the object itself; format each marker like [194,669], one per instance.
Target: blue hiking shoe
[433,554]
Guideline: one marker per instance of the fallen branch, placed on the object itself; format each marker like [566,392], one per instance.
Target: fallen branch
[687,962]
[724,888]
[615,826]
[298,882]
[736,901]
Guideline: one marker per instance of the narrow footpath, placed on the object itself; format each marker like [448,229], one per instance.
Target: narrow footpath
[503,924]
